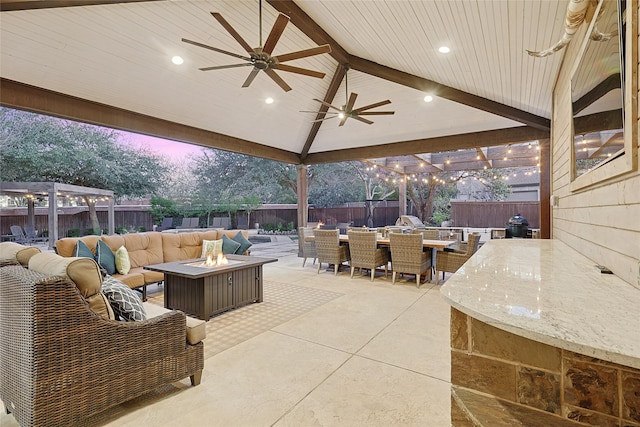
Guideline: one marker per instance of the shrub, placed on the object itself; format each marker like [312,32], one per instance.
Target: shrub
[73,232]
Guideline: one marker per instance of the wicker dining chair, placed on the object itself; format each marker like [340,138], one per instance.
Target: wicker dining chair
[452,261]
[329,250]
[427,234]
[407,256]
[308,244]
[365,253]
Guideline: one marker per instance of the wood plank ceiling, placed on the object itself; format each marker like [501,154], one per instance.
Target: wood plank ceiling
[110,64]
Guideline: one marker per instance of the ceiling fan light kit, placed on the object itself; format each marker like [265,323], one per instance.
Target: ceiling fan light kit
[347,111]
[260,57]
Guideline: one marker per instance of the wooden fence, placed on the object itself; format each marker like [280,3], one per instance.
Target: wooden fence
[464,214]
[493,214]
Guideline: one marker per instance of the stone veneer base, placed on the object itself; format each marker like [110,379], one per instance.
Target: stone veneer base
[502,379]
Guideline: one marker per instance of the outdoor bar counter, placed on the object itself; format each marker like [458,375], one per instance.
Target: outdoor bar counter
[539,335]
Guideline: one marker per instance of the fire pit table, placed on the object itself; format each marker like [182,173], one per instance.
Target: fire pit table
[203,291]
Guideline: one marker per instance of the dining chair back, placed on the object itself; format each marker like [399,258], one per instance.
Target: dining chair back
[452,261]
[365,253]
[329,250]
[427,234]
[307,243]
[407,256]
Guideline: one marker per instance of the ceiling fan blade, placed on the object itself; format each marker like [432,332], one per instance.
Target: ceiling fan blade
[298,70]
[322,120]
[276,32]
[222,67]
[352,100]
[327,104]
[233,32]
[369,122]
[376,113]
[215,49]
[252,75]
[344,119]
[317,112]
[325,48]
[276,78]
[377,104]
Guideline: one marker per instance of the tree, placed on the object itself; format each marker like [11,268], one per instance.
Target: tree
[250,203]
[41,148]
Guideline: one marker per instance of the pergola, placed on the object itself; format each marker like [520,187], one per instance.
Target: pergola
[54,191]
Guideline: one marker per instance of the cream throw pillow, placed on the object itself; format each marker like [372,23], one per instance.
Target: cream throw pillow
[123,264]
[213,247]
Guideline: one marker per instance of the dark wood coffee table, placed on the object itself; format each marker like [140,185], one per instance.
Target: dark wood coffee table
[203,291]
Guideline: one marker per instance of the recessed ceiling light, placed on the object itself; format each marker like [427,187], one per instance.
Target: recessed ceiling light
[269,100]
[177,60]
[444,49]
[428,98]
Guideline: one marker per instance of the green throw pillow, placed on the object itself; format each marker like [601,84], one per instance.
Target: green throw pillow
[82,250]
[105,257]
[229,246]
[244,243]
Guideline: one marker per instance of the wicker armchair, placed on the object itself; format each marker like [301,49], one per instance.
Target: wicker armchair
[307,244]
[365,254]
[407,256]
[61,363]
[329,249]
[452,261]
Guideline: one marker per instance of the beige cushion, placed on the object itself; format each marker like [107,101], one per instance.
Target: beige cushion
[100,305]
[123,265]
[182,246]
[83,271]
[66,246]
[18,252]
[143,248]
[196,328]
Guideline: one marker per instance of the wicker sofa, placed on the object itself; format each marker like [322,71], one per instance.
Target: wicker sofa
[63,358]
[148,248]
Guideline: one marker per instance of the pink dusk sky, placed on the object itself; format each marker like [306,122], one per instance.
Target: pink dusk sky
[172,149]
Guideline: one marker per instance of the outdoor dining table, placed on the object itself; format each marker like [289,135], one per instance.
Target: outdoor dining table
[426,244]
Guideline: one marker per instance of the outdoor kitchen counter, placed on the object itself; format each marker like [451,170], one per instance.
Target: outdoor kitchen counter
[545,291]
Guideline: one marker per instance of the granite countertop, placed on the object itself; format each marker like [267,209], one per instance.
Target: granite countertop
[545,291]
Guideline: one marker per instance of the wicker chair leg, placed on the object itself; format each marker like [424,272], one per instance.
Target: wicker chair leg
[352,270]
[373,273]
[304,261]
[418,280]
[386,270]
[319,265]
[436,277]
[335,269]
[393,278]
[195,378]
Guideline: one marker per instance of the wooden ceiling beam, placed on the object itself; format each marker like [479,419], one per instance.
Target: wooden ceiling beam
[431,145]
[427,162]
[482,152]
[338,76]
[308,26]
[11,5]
[610,83]
[447,92]
[26,97]
[606,120]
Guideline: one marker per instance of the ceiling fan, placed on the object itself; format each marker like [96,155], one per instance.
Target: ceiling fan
[260,57]
[347,111]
